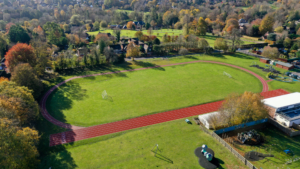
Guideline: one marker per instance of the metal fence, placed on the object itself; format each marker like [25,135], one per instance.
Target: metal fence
[232,150]
[252,123]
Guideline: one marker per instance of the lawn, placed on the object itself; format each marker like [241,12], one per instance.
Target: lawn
[275,143]
[159,34]
[177,141]
[68,156]
[144,92]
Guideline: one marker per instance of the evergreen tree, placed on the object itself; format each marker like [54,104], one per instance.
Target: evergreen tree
[18,34]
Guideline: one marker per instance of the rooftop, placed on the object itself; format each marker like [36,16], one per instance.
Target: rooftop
[284,64]
[291,114]
[283,101]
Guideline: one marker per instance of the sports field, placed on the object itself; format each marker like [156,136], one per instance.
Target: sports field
[144,92]
[177,141]
[159,34]
[132,149]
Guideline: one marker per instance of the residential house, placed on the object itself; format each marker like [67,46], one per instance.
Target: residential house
[82,51]
[118,48]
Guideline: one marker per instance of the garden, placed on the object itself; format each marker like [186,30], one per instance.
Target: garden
[276,149]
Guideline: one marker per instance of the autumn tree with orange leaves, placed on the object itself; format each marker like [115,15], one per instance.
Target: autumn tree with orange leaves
[18,145]
[20,53]
[19,101]
[238,109]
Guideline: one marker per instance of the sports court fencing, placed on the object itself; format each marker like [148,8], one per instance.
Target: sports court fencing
[232,150]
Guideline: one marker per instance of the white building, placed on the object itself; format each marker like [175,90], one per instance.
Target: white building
[205,119]
[285,109]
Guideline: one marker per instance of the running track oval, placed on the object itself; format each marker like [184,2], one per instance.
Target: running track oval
[51,119]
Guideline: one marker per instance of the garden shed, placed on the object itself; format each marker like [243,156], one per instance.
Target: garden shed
[205,119]
[264,60]
[285,66]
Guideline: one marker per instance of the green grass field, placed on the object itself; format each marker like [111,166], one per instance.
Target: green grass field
[275,143]
[177,141]
[159,34]
[89,153]
[139,93]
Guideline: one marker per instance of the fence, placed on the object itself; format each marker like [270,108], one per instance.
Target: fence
[258,45]
[249,53]
[232,150]
[252,123]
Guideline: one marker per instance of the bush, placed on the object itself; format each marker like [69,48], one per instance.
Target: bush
[103,24]
[272,37]
[295,47]
[270,75]
[183,51]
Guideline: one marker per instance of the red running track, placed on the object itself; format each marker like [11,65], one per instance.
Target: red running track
[109,128]
[47,116]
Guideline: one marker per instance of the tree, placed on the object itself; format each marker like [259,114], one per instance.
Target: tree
[231,23]
[221,44]
[153,23]
[132,51]
[55,34]
[2,24]
[110,55]
[183,51]
[103,24]
[62,14]
[185,30]
[19,101]
[138,34]
[66,28]
[156,41]
[20,53]
[279,29]
[234,39]
[298,32]
[202,26]
[96,25]
[266,24]
[88,27]
[147,26]
[74,20]
[129,25]
[19,143]
[103,7]
[101,46]
[150,31]
[23,75]
[238,109]
[287,42]
[42,54]
[202,44]
[3,44]
[18,34]
[117,33]
[270,52]
[165,38]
